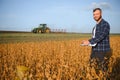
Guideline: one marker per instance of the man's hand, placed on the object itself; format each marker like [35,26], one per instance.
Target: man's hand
[85,42]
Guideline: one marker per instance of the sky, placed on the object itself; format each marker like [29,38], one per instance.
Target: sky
[71,15]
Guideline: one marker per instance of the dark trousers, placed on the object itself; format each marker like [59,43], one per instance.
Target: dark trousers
[100,60]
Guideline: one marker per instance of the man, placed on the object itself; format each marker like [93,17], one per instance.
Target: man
[100,42]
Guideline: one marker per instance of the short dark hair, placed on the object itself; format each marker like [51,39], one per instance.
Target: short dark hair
[97,9]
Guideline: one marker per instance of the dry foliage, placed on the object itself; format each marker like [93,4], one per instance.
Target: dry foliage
[53,60]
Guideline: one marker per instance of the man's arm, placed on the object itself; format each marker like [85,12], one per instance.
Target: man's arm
[100,34]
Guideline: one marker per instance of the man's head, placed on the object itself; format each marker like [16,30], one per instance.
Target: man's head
[97,14]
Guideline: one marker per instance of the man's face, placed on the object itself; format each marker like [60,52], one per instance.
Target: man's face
[97,15]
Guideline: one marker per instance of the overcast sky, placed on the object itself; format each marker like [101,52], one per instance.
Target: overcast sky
[72,15]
